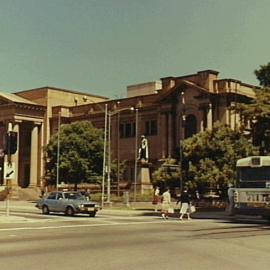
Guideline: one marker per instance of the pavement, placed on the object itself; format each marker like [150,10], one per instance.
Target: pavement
[9,211]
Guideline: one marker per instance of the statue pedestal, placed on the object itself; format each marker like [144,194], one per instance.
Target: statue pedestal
[143,178]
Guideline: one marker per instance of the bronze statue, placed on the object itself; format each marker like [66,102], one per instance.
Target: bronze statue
[143,154]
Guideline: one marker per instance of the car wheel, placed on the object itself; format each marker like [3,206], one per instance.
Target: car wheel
[92,214]
[45,210]
[69,211]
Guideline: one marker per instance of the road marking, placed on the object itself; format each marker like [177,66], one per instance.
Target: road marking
[86,225]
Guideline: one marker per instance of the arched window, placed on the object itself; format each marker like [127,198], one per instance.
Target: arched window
[190,126]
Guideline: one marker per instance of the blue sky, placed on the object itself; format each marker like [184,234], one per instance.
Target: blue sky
[101,46]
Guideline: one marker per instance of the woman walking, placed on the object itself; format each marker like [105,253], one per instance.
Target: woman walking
[156,199]
[166,203]
[185,204]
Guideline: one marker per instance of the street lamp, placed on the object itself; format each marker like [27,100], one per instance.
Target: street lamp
[104,156]
[135,157]
[58,150]
[107,138]
[182,137]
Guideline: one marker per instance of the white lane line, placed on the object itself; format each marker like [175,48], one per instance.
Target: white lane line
[85,225]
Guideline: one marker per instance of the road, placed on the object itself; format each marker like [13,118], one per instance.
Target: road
[132,242]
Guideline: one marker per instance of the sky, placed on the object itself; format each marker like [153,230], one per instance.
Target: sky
[102,46]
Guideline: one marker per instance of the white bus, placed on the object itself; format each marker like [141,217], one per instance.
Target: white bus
[252,191]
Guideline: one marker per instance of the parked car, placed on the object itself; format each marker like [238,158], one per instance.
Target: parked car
[67,202]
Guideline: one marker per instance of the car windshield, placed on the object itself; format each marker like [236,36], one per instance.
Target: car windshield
[73,196]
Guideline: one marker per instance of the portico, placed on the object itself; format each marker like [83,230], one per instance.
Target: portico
[26,119]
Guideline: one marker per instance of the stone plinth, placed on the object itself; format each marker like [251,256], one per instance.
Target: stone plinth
[143,178]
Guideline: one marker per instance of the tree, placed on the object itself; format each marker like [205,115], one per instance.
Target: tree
[263,75]
[81,154]
[212,157]
[115,170]
[257,112]
[167,175]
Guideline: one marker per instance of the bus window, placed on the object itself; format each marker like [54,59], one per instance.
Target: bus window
[253,177]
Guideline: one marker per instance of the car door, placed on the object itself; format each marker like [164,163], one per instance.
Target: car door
[51,201]
[59,202]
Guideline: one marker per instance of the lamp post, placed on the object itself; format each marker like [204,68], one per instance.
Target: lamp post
[109,160]
[182,137]
[118,155]
[108,115]
[135,156]
[58,150]
[104,156]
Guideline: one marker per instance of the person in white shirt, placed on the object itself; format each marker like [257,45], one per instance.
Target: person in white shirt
[166,203]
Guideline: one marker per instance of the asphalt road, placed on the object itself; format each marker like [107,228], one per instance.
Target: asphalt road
[138,242]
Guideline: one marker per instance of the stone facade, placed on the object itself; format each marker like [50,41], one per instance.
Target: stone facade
[29,113]
[165,111]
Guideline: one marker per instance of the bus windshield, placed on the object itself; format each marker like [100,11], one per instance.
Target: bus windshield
[254,174]
[253,177]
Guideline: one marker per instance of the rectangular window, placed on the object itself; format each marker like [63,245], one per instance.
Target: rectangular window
[127,130]
[151,128]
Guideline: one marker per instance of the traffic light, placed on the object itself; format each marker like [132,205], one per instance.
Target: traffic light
[11,143]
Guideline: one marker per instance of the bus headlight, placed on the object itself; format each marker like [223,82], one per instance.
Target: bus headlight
[236,197]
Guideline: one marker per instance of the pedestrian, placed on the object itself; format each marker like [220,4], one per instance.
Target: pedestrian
[156,199]
[185,204]
[230,194]
[166,203]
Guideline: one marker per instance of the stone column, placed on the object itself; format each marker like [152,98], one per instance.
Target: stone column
[209,117]
[41,160]
[228,115]
[15,157]
[202,120]
[34,156]
[163,128]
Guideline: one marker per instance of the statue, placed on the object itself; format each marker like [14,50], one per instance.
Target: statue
[143,154]
[143,182]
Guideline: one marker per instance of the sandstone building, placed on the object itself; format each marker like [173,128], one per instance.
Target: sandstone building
[165,111]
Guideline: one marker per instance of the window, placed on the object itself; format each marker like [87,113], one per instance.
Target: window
[59,196]
[127,130]
[52,196]
[190,126]
[151,128]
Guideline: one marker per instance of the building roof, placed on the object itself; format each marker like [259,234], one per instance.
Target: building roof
[62,90]
[185,83]
[15,98]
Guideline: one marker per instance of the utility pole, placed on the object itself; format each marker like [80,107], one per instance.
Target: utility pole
[135,156]
[104,156]
[58,151]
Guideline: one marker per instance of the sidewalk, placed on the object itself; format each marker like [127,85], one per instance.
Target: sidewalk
[117,209]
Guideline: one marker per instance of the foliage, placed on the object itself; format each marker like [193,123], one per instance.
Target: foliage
[259,108]
[114,170]
[258,112]
[263,75]
[167,175]
[81,154]
[211,156]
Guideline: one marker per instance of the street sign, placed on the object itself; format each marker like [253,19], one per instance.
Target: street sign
[9,170]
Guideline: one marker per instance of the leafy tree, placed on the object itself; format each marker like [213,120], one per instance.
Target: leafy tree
[263,75]
[167,175]
[257,112]
[114,170]
[81,154]
[212,157]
